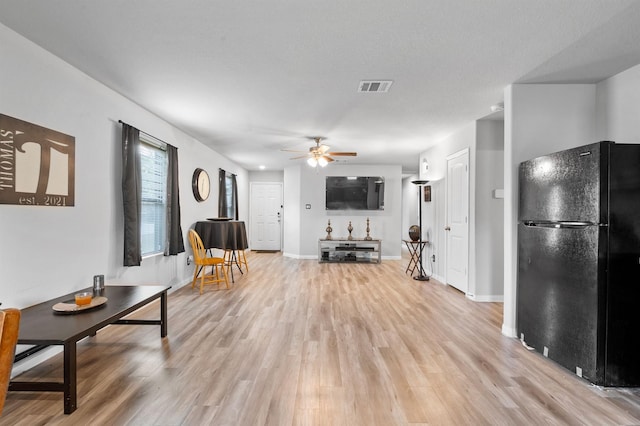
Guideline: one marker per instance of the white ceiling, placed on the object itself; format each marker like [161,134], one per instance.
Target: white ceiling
[252,77]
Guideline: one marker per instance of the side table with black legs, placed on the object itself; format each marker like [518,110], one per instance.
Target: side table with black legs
[415,250]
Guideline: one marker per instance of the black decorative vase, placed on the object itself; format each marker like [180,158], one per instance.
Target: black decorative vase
[414,233]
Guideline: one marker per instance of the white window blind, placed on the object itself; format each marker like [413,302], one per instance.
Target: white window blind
[153,162]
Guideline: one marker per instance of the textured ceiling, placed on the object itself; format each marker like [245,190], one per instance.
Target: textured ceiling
[250,78]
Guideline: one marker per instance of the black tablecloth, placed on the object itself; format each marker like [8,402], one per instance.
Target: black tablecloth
[231,235]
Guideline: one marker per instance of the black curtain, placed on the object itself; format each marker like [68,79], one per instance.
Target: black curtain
[174,243]
[234,185]
[131,194]
[222,193]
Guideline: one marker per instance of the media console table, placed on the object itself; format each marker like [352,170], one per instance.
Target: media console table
[40,326]
[345,250]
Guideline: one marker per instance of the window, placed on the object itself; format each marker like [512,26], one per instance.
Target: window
[231,205]
[227,195]
[153,171]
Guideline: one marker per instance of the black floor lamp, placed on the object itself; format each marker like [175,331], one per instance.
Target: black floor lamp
[421,276]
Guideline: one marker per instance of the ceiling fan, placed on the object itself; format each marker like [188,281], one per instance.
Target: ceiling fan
[319,154]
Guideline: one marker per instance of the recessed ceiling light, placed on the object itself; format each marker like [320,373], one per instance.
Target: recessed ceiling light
[261,167]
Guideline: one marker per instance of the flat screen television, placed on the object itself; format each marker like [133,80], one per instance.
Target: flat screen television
[354,193]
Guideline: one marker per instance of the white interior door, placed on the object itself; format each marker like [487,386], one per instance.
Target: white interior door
[457,227]
[266,216]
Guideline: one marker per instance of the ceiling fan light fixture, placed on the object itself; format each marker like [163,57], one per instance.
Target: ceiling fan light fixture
[319,154]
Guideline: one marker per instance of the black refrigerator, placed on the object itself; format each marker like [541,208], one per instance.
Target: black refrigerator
[578,289]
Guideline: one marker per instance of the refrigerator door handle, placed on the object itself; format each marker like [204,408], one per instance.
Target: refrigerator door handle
[558,224]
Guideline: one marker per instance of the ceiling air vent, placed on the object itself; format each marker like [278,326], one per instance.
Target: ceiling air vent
[377,86]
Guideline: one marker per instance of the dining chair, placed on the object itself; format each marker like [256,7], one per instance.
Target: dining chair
[236,257]
[9,326]
[202,261]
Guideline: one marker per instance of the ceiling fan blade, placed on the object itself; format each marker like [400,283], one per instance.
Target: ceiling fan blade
[350,154]
[319,151]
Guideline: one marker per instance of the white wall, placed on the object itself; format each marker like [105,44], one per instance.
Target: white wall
[46,251]
[266,176]
[489,253]
[485,141]
[291,212]
[433,213]
[409,205]
[539,119]
[305,185]
[618,107]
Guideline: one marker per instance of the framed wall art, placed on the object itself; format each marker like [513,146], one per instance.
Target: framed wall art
[37,165]
[427,193]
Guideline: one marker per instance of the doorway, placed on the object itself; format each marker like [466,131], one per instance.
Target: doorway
[266,216]
[457,216]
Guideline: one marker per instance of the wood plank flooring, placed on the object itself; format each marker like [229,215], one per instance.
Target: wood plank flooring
[294,342]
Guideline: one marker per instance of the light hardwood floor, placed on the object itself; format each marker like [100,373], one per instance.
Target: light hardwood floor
[302,343]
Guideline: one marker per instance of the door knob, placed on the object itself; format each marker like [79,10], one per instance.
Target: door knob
[447,228]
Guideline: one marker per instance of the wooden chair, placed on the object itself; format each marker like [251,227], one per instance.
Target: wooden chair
[218,273]
[237,257]
[9,326]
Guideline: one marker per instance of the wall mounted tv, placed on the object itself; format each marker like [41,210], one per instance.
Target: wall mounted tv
[354,193]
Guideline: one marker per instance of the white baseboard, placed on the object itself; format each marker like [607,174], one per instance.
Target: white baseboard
[35,359]
[300,256]
[474,297]
[487,298]
[509,331]
[315,257]
[437,278]
[175,287]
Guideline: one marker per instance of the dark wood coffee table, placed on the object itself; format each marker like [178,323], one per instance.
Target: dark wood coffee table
[41,326]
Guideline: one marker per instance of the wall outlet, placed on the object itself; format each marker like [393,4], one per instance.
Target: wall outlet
[189,259]
[433,258]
